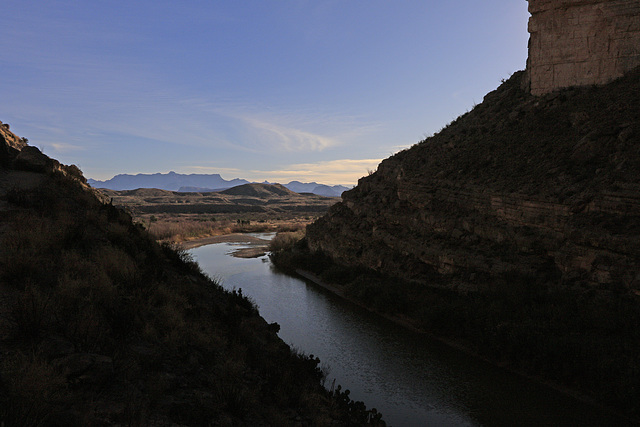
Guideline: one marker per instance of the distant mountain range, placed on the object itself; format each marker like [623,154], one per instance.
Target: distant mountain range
[203,183]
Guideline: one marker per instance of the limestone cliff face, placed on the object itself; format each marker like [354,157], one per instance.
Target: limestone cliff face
[547,187]
[581,42]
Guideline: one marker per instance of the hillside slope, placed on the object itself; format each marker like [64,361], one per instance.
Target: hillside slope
[547,187]
[101,325]
[513,232]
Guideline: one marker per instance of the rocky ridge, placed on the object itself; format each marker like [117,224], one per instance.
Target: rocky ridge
[546,187]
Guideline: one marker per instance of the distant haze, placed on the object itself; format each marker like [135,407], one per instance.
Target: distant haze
[203,183]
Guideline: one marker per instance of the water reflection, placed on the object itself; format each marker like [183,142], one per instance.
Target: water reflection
[412,380]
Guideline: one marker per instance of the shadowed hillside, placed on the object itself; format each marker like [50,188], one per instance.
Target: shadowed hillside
[514,231]
[545,186]
[101,325]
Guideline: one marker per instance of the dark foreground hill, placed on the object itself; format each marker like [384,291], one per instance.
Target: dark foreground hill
[101,325]
[515,230]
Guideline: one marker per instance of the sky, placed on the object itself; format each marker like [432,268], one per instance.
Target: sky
[277,90]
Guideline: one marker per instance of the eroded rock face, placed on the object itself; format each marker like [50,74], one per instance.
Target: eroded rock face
[581,42]
[10,144]
[22,165]
[544,187]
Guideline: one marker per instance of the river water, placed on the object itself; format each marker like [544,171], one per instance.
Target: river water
[411,379]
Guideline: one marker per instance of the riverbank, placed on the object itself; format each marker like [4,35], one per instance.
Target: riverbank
[406,323]
[541,336]
[467,349]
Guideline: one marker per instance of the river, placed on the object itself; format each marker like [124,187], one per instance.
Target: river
[411,379]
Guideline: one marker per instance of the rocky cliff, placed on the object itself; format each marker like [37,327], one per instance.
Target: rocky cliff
[515,230]
[546,187]
[581,42]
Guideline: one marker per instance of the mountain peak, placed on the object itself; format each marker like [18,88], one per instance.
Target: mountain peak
[173,181]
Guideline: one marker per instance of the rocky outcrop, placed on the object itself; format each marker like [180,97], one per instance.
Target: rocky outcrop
[542,187]
[10,144]
[23,166]
[581,42]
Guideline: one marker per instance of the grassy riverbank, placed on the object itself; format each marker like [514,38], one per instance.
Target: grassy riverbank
[185,228]
[580,341]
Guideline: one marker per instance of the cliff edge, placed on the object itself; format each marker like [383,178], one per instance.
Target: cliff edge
[581,42]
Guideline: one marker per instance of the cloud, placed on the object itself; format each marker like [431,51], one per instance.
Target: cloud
[343,171]
[258,127]
[331,172]
[285,138]
[224,172]
[63,147]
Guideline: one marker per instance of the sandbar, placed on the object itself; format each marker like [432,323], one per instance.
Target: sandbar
[258,247]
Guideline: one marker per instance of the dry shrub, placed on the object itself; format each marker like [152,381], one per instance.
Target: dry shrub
[32,391]
[286,240]
[179,229]
[30,242]
[167,307]
[117,264]
[233,397]
[31,313]
[85,293]
[81,318]
[292,227]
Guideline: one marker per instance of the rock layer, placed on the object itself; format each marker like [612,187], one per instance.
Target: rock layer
[545,187]
[581,42]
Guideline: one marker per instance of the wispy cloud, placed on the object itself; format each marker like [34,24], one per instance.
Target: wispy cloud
[63,147]
[342,171]
[331,172]
[226,173]
[285,138]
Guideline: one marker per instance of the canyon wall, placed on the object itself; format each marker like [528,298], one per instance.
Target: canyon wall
[581,42]
[533,181]
[544,188]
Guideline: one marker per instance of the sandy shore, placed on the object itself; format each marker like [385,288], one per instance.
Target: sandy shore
[258,247]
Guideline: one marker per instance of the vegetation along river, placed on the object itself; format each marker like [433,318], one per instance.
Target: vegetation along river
[412,379]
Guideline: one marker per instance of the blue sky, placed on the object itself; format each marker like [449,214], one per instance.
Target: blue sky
[311,90]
